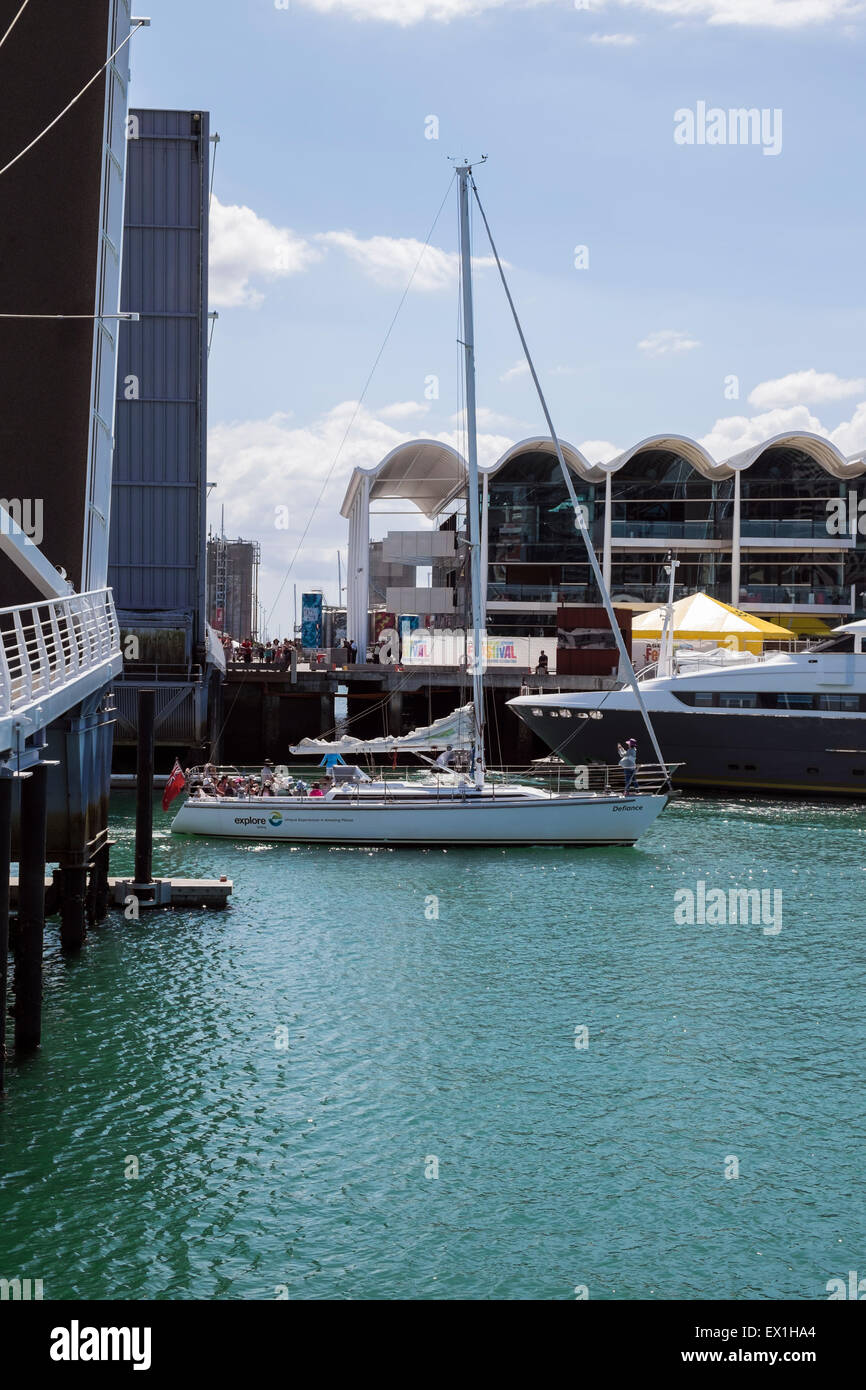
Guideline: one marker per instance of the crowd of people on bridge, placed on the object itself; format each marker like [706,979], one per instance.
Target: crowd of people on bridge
[276,653]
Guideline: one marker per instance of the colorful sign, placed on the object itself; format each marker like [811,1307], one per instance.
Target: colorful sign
[311,620]
[456,648]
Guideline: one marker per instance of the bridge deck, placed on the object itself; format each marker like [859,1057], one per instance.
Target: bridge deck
[53,655]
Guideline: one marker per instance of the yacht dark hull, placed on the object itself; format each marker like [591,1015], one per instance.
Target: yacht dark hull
[761,752]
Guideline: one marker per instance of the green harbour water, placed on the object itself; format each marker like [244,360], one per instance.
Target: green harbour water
[432,1002]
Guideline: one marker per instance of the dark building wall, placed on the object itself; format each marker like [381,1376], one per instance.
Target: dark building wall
[157,556]
[241,588]
[49,246]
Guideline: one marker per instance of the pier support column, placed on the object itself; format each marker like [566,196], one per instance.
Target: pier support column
[73,896]
[144,788]
[395,714]
[215,719]
[90,900]
[31,911]
[5,858]
[271,712]
[99,881]
[326,714]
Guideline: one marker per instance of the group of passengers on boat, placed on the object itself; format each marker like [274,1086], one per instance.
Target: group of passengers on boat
[212,783]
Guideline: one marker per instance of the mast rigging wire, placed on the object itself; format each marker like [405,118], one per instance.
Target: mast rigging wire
[14,22]
[579,522]
[69,105]
[361,398]
[336,458]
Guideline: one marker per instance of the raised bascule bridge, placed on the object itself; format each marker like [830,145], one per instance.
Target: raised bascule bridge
[61,185]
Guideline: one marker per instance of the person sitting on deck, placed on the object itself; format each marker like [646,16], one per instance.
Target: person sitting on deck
[316,790]
[541,668]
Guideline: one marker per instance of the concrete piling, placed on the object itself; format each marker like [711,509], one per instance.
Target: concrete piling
[31,911]
[5,862]
[144,788]
[73,899]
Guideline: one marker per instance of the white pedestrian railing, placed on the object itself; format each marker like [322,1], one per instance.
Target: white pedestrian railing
[51,646]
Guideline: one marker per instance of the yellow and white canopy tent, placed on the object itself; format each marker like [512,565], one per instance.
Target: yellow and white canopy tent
[699,618]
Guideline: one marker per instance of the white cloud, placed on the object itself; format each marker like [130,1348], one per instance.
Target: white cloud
[599,450]
[245,247]
[403,410]
[260,465]
[519,369]
[768,14]
[850,437]
[739,432]
[614,40]
[391,261]
[486,418]
[491,447]
[667,340]
[776,14]
[808,387]
[408,12]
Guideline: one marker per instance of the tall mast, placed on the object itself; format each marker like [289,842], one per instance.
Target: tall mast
[464,174]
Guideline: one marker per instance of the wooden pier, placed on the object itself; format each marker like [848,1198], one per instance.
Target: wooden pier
[173,892]
[265,711]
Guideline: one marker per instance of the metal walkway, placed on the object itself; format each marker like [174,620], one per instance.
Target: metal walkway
[53,655]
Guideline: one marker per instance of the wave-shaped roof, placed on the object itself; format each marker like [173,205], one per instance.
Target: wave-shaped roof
[428,472]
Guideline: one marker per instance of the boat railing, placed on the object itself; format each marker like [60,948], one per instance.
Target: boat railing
[556,779]
[602,778]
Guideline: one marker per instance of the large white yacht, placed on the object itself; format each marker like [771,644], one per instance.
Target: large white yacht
[786,722]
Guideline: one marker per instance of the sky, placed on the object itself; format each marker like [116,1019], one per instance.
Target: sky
[675,271]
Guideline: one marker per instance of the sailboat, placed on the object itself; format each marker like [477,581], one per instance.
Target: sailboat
[453,808]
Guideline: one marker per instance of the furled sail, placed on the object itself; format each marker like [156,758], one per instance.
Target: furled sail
[456,729]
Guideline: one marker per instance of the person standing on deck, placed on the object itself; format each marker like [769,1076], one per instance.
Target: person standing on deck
[628,762]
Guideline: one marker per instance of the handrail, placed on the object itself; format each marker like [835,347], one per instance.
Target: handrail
[47,646]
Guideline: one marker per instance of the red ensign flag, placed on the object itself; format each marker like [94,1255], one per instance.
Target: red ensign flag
[174,786]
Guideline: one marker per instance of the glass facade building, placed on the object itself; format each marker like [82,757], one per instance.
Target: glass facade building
[756,536]
[777,530]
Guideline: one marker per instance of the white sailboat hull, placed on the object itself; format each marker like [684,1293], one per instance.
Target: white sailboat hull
[525,818]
